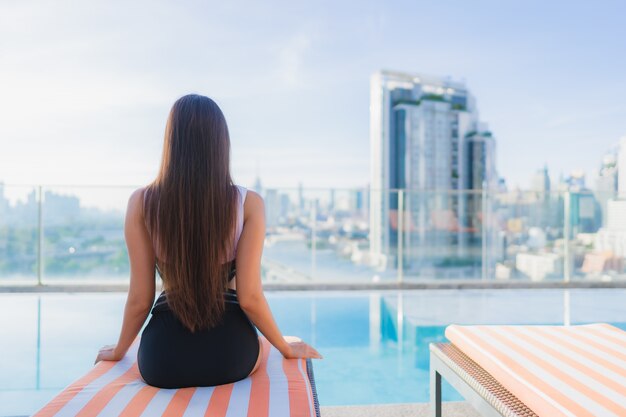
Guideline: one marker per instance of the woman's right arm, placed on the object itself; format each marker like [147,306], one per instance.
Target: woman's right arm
[249,288]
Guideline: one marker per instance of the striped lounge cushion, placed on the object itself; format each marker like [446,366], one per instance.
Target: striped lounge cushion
[279,388]
[554,370]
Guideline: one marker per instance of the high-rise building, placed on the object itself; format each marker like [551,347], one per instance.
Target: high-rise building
[426,138]
[606,182]
[272,208]
[301,201]
[607,177]
[544,205]
[540,182]
[285,205]
[358,200]
[612,237]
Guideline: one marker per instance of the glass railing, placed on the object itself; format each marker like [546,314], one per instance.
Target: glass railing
[20,234]
[63,234]
[74,234]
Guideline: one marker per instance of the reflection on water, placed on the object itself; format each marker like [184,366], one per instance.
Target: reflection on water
[375,344]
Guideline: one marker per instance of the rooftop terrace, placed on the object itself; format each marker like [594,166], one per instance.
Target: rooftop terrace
[522,257]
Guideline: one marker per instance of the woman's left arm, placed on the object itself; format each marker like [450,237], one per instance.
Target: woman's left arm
[142,279]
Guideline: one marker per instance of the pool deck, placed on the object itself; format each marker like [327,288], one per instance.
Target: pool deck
[450,409]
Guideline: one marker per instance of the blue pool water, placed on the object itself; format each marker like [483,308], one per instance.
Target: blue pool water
[375,344]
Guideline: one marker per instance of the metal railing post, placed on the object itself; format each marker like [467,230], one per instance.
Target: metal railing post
[485,221]
[566,238]
[39,235]
[400,235]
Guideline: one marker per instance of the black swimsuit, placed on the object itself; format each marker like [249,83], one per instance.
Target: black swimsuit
[171,356]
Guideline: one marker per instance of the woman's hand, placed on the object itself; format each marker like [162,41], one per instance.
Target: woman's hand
[107,353]
[298,349]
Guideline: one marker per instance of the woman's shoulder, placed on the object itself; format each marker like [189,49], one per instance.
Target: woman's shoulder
[253,196]
[253,203]
[248,192]
[137,195]
[136,201]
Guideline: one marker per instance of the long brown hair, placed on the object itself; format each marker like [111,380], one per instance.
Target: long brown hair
[190,211]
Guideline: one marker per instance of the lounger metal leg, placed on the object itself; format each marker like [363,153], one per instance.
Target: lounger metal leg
[435,393]
[439,370]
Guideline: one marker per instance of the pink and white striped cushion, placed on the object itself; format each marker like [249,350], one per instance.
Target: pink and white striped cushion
[279,388]
[555,370]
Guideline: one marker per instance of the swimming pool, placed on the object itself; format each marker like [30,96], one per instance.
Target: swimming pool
[375,344]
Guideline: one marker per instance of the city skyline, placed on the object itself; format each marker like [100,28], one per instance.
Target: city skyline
[113,197]
[293,82]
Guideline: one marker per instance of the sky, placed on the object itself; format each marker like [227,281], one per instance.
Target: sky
[85,87]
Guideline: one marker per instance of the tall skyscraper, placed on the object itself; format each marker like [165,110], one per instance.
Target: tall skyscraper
[301,201]
[606,182]
[426,137]
[540,181]
[272,208]
[612,237]
[544,205]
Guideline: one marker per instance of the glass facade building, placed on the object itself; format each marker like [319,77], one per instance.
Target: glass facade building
[427,139]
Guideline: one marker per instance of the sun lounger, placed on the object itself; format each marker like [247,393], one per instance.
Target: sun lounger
[279,388]
[545,371]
